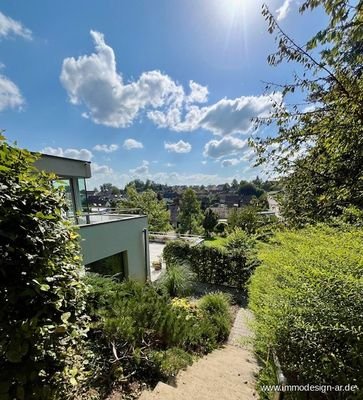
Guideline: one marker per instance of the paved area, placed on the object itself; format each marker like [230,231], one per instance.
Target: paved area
[225,374]
[156,251]
[241,334]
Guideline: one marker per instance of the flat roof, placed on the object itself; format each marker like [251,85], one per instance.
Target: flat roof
[63,166]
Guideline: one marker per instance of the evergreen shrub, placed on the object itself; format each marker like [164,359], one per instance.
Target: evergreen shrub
[143,332]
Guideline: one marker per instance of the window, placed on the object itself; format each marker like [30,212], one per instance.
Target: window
[115,265]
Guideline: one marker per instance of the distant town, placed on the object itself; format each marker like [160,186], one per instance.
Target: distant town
[221,198]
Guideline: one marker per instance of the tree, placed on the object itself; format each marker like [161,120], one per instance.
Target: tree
[319,144]
[245,218]
[235,185]
[190,215]
[210,221]
[249,189]
[106,187]
[42,295]
[157,214]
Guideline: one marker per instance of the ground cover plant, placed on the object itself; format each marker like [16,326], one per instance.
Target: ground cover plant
[140,334]
[308,304]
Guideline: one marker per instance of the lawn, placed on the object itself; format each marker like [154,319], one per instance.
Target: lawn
[216,241]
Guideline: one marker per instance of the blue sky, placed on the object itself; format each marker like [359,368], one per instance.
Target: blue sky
[160,89]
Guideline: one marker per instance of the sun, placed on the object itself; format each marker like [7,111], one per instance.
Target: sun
[230,11]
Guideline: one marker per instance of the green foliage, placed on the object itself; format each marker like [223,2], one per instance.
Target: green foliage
[42,296]
[217,306]
[246,218]
[214,265]
[171,361]
[248,189]
[239,239]
[319,143]
[157,214]
[308,306]
[141,331]
[190,215]
[220,228]
[176,252]
[178,280]
[210,221]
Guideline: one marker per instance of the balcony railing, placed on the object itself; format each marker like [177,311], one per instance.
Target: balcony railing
[105,215]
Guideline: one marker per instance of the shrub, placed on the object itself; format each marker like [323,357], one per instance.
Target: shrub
[178,280]
[239,240]
[217,307]
[211,264]
[171,361]
[307,300]
[176,252]
[42,296]
[141,331]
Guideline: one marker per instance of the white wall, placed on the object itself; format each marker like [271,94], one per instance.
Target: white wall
[101,240]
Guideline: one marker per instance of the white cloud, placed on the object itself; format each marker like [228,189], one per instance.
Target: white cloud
[230,162]
[230,116]
[10,27]
[179,147]
[106,148]
[169,165]
[10,95]
[198,93]
[130,144]
[101,169]
[77,154]
[227,146]
[282,11]
[142,169]
[94,82]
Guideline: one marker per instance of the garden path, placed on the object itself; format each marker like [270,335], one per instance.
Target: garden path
[225,374]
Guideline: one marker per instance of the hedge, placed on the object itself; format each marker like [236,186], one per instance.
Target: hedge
[212,265]
[308,304]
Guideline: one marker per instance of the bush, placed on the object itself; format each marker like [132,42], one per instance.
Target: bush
[307,300]
[239,240]
[176,252]
[171,361]
[211,264]
[139,330]
[42,296]
[178,280]
[217,307]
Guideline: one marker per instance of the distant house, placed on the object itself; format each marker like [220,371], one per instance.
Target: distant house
[111,243]
[273,205]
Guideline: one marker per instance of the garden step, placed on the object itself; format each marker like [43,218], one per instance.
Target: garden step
[226,374]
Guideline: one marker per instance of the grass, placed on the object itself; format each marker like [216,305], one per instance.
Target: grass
[216,241]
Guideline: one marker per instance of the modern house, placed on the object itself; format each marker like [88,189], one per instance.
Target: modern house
[112,243]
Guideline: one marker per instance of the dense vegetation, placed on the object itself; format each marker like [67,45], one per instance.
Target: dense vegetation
[307,300]
[222,265]
[42,296]
[157,214]
[190,216]
[139,333]
[319,142]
